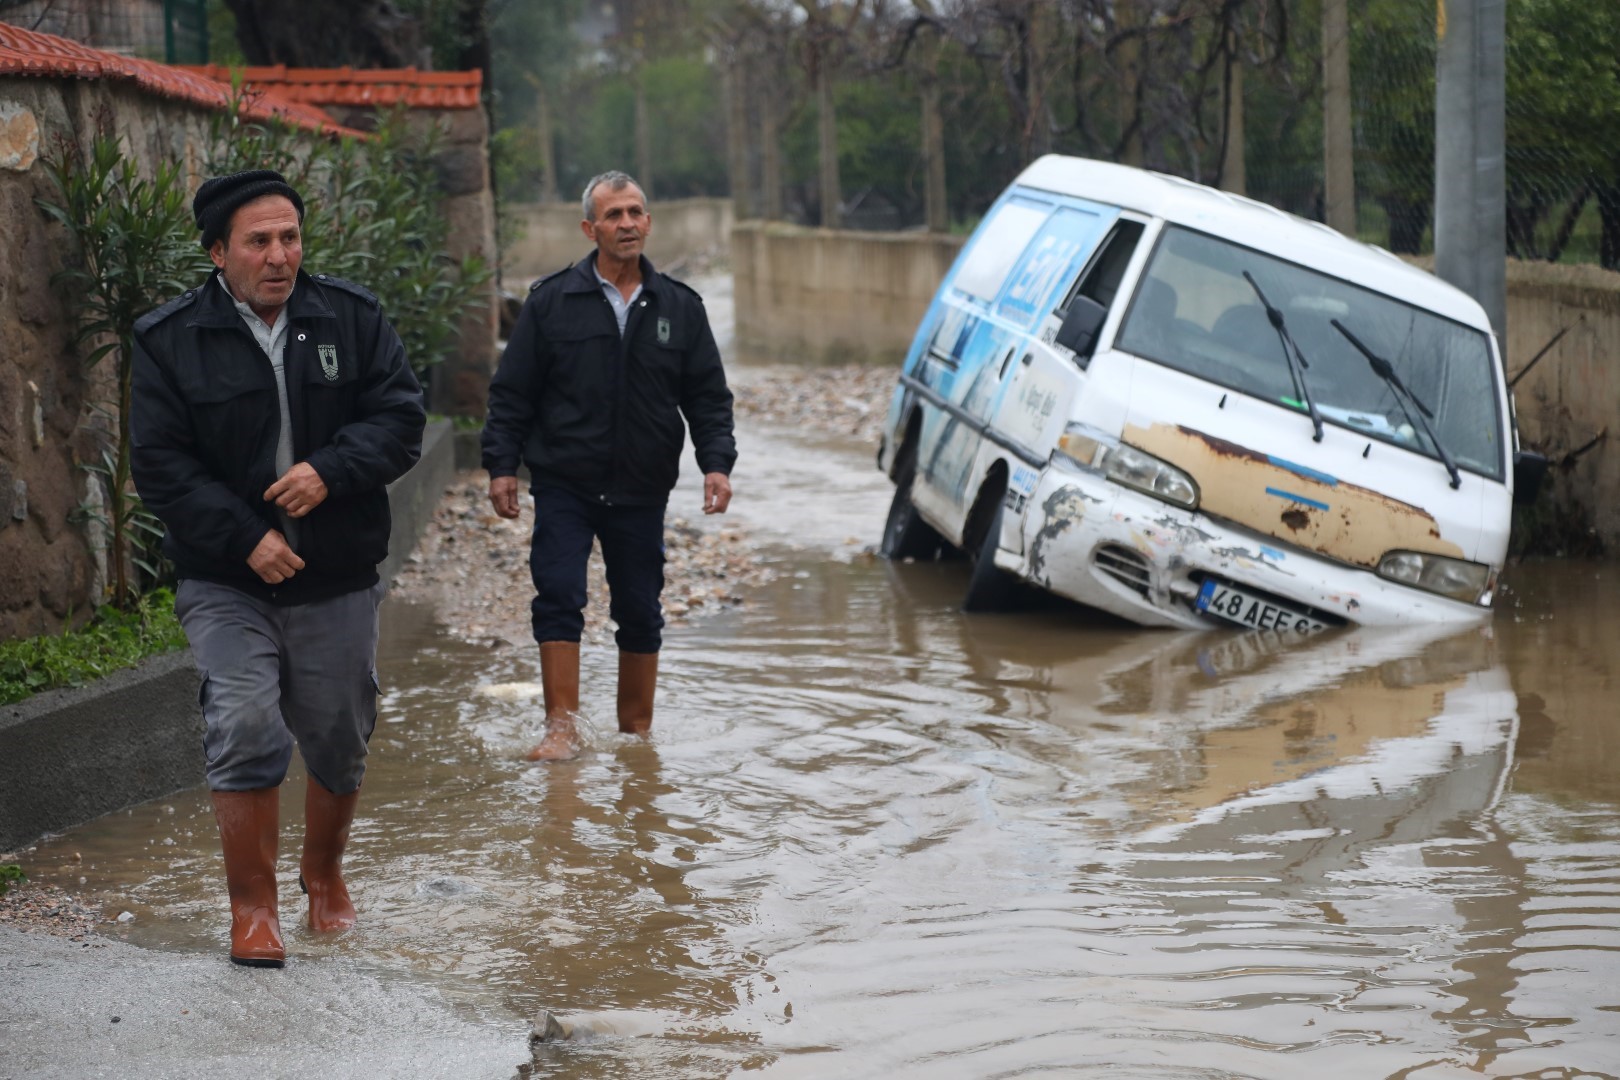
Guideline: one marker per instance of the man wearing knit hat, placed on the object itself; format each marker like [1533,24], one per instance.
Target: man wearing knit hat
[271,409]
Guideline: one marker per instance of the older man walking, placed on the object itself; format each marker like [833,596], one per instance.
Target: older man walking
[606,359]
[270,410]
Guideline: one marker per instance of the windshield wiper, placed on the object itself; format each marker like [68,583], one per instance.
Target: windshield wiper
[1386,371]
[1296,359]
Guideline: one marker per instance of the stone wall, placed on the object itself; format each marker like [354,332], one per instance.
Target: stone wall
[549,237]
[55,415]
[820,296]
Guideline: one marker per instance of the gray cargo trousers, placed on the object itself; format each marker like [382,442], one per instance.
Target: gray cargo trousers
[272,676]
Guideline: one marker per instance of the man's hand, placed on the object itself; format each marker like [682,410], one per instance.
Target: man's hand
[716,492]
[273,560]
[299,490]
[503,495]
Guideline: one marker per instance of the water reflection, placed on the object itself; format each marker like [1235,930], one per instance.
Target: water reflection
[875,838]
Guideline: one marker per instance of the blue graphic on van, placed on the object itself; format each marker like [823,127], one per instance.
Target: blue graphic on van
[1050,262]
[1303,470]
[1302,500]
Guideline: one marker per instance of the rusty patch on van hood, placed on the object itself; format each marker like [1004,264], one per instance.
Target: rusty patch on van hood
[1291,502]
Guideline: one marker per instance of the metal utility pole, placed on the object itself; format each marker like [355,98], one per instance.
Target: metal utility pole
[1470,174]
[1338,132]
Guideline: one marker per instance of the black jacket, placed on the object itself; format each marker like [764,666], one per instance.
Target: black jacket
[205,419]
[599,415]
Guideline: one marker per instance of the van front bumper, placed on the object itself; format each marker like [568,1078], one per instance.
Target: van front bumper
[1109,547]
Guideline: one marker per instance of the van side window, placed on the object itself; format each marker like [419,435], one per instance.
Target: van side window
[1101,280]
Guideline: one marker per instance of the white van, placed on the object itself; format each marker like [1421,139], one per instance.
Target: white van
[1189,408]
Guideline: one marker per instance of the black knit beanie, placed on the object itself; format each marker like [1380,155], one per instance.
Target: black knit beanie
[219,198]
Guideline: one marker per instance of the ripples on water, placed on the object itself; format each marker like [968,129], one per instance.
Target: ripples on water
[876,838]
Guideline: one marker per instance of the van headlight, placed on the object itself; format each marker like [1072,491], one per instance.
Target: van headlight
[1465,581]
[1129,466]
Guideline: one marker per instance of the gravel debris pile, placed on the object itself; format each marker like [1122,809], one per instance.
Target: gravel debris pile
[34,907]
[473,567]
[850,400]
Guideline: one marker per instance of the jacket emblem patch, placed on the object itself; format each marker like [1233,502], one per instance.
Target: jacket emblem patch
[663,331]
[329,366]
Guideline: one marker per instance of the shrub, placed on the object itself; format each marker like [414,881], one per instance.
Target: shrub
[135,241]
[114,640]
[371,214]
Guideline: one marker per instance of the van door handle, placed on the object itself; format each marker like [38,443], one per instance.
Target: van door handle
[1028,358]
[1005,360]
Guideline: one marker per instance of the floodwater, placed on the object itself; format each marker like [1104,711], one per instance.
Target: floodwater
[874,837]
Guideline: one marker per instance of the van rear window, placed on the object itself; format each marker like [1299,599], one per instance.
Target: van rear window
[996,247]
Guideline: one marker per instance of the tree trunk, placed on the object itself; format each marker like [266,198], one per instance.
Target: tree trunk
[317,33]
[1038,137]
[1129,60]
[827,148]
[936,210]
[644,165]
[735,78]
[770,157]
[1338,137]
[1234,174]
[548,144]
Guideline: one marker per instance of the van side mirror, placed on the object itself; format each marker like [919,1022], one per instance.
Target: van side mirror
[1080,325]
[1529,468]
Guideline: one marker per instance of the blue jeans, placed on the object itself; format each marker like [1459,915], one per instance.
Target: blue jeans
[632,539]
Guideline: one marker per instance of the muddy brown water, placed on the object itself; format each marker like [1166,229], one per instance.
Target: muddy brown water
[875,837]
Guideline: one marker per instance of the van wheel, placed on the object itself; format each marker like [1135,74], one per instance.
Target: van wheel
[990,588]
[905,534]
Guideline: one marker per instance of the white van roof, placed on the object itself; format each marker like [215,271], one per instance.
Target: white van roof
[1253,224]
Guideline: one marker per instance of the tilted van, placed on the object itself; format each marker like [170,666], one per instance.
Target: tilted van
[1188,408]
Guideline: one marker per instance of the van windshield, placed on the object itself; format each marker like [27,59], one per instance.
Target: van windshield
[1195,311]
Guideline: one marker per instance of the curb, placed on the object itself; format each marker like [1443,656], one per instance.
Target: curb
[70,756]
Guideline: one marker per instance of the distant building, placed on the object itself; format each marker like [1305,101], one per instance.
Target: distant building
[174,31]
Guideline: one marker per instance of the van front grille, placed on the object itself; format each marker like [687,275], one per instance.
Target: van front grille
[1125,566]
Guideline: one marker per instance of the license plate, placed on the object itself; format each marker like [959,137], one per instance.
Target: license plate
[1236,606]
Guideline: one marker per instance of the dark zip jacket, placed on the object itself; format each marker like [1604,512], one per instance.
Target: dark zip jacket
[600,415]
[205,419]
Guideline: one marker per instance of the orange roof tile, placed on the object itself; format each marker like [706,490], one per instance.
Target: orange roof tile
[381,87]
[27,52]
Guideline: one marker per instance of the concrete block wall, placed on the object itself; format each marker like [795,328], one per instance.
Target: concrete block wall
[550,239]
[821,296]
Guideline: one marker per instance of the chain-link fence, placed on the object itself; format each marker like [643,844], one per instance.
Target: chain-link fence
[1562,123]
[173,31]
